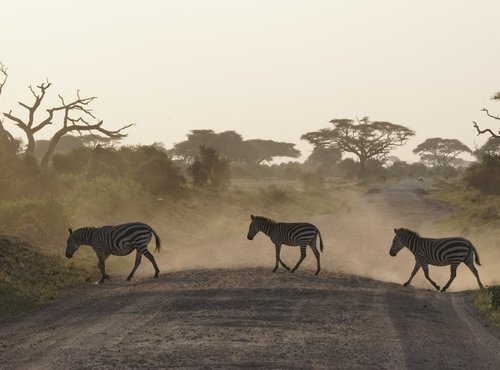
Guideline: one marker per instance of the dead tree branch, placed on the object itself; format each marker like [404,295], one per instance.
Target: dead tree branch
[77,116]
[28,126]
[3,76]
[479,131]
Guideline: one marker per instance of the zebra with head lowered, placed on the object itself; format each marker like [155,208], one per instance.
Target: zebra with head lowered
[292,234]
[118,240]
[437,252]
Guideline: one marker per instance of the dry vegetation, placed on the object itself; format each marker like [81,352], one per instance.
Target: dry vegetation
[36,274]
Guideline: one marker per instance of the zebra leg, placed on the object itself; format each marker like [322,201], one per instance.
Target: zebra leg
[138,257]
[302,256]
[453,270]
[102,267]
[316,254]
[151,258]
[283,264]
[470,265]
[415,270]
[425,267]
[278,251]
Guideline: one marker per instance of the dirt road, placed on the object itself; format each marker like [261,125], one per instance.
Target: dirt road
[250,318]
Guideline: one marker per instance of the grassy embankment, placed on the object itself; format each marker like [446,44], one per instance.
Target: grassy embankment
[477,217]
[34,275]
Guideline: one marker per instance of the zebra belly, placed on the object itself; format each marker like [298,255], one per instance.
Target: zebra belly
[447,259]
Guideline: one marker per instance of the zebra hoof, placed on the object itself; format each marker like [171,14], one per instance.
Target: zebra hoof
[406,284]
[129,278]
[437,288]
[443,290]
[292,271]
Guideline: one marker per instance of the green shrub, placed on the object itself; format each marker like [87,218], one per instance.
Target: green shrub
[485,175]
[494,292]
[46,214]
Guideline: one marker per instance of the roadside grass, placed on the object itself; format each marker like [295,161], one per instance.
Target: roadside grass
[483,301]
[476,212]
[30,278]
[477,217]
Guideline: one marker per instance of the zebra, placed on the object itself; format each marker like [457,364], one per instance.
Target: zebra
[118,240]
[292,234]
[437,252]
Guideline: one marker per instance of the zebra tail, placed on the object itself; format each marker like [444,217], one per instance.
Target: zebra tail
[157,240]
[320,241]
[476,255]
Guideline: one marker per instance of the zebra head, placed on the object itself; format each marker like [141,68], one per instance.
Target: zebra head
[72,245]
[397,243]
[252,229]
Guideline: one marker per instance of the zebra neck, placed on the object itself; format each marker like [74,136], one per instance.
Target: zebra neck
[412,244]
[266,227]
[84,235]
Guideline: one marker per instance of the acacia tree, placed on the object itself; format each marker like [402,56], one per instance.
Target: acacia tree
[230,144]
[77,116]
[440,152]
[364,138]
[479,131]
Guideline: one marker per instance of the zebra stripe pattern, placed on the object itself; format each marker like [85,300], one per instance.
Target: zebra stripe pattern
[437,252]
[292,234]
[119,240]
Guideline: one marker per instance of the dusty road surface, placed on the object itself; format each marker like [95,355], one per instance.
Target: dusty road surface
[247,317]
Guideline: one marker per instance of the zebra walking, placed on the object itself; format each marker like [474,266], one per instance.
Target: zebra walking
[437,252]
[119,240]
[292,234]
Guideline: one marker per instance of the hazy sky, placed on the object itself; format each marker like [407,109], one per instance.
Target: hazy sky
[267,69]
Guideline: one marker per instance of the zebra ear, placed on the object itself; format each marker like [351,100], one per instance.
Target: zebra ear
[395,231]
[252,217]
[70,231]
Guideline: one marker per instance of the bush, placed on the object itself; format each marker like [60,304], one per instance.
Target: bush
[45,215]
[494,292]
[485,175]
[314,180]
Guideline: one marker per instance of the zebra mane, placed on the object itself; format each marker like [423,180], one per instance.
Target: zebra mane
[265,219]
[409,232]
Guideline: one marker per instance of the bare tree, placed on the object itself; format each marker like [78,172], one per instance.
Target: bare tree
[4,134]
[28,126]
[479,131]
[3,76]
[77,116]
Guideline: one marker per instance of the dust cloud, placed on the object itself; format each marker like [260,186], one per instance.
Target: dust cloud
[357,240]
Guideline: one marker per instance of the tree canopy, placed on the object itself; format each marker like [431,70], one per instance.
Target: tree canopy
[231,145]
[364,138]
[439,152]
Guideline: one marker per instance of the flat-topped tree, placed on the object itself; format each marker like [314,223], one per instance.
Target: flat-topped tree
[364,138]
[76,116]
[440,152]
[497,117]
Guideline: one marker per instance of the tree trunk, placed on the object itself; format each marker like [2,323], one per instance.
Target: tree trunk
[362,167]
[51,149]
